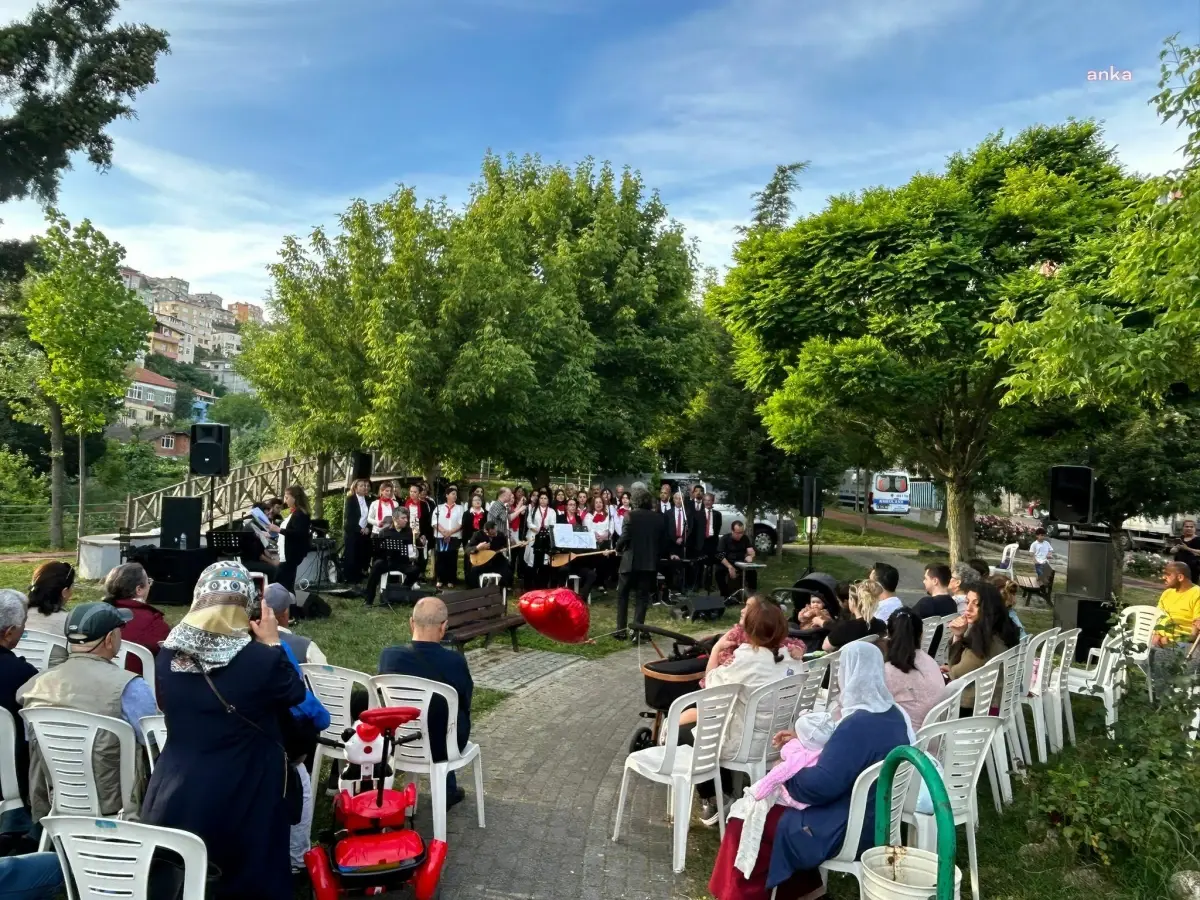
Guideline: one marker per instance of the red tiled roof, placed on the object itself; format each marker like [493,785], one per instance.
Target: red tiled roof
[145,376]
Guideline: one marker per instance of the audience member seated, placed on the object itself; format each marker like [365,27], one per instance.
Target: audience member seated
[962,576]
[14,672]
[938,599]
[127,587]
[732,549]
[1170,644]
[89,681]
[280,599]
[31,876]
[406,562]
[981,633]
[795,842]
[425,657]
[1008,591]
[755,655]
[864,598]
[889,578]
[48,595]
[912,675]
[224,773]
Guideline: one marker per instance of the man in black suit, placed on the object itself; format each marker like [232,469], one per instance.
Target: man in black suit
[639,545]
[664,498]
[677,531]
[425,657]
[704,541]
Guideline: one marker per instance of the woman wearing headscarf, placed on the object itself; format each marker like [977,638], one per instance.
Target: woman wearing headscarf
[226,686]
[870,727]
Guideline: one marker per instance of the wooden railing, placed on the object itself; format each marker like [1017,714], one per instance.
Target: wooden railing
[233,495]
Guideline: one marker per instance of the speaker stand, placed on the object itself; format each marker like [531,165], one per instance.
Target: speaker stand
[212,493]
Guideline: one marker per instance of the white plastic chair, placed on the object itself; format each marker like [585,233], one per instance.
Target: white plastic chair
[846,859]
[416,758]
[984,681]
[1004,567]
[145,657]
[1138,623]
[1058,693]
[941,654]
[963,747]
[768,710]
[333,686]
[10,793]
[66,739]
[810,690]
[681,767]
[154,736]
[36,646]
[1106,680]
[1006,752]
[108,858]
[830,694]
[1035,676]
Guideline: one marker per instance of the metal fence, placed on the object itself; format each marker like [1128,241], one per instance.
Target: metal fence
[27,525]
[924,495]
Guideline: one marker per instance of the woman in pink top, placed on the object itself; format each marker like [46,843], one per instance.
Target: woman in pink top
[910,673]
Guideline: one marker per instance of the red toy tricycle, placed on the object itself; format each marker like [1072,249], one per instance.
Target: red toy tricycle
[374,850]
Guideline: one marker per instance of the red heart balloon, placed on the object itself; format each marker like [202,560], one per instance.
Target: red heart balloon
[557,613]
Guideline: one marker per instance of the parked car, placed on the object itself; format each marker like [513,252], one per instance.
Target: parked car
[769,527]
[1138,533]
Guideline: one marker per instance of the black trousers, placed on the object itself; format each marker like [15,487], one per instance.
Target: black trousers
[264,568]
[356,555]
[497,565]
[584,568]
[285,574]
[445,564]
[727,583]
[409,571]
[645,583]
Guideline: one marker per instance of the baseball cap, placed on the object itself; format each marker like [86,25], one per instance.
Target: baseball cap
[89,622]
[278,597]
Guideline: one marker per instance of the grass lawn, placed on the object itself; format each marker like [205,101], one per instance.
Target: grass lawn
[834,532]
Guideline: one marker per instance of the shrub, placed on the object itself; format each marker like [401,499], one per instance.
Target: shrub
[1133,799]
[1144,565]
[1002,530]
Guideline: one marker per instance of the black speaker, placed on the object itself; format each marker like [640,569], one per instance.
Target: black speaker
[1089,569]
[210,449]
[812,501]
[1070,494]
[180,523]
[1091,617]
[702,606]
[360,465]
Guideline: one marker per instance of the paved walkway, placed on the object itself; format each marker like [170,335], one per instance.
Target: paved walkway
[553,756]
[875,523]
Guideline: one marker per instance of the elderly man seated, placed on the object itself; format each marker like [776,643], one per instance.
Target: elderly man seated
[14,672]
[89,681]
[425,657]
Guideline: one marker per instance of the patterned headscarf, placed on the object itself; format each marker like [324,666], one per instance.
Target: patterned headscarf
[217,626]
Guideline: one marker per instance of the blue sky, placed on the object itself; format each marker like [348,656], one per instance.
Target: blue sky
[270,115]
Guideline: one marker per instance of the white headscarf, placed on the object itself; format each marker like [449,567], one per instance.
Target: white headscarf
[860,675]
[814,729]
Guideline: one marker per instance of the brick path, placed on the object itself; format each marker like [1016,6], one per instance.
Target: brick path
[875,524]
[553,756]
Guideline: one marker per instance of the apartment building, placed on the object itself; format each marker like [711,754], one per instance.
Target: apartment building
[222,371]
[186,334]
[149,399]
[227,343]
[246,312]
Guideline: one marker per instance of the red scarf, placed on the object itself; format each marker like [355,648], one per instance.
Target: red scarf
[571,519]
[476,518]
[621,512]
[379,507]
[560,507]
[598,517]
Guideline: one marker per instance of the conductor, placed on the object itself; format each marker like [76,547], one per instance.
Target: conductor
[639,546]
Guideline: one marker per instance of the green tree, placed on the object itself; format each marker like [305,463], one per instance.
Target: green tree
[773,205]
[240,411]
[868,313]
[19,483]
[182,373]
[131,467]
[67,73]
[85,327]
[1126,321]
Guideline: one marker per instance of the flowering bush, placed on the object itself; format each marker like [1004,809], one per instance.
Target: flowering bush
[1144,564]
[1002,530]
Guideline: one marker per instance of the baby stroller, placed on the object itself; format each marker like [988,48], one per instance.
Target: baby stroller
[374,850]
[668,678]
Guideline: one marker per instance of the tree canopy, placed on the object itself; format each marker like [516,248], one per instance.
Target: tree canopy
[67,74]
[867,313]
[241,411]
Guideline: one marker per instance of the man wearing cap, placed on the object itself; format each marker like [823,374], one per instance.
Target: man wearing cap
[89,681]
[280,599]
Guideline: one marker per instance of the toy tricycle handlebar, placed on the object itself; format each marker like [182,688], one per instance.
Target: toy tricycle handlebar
[389,718]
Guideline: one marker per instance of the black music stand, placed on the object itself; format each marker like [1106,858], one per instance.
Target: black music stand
[384,546]
[226,544]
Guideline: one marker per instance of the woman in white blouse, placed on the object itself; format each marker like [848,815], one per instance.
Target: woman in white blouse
[448,529]
[599,521]
[539,532]
[380,513]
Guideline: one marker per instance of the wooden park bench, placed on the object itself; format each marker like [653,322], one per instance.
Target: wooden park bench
[482,612]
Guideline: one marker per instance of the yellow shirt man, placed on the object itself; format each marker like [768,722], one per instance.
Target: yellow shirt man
[1182,608]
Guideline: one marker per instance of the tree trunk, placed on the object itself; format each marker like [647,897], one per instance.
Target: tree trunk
[1118,556]
[322,480]
[79,520]
[960,520]
[860,498]
[942,512]
[58,475]
[779,542]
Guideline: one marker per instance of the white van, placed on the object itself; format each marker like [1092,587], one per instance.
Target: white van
[887,493]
